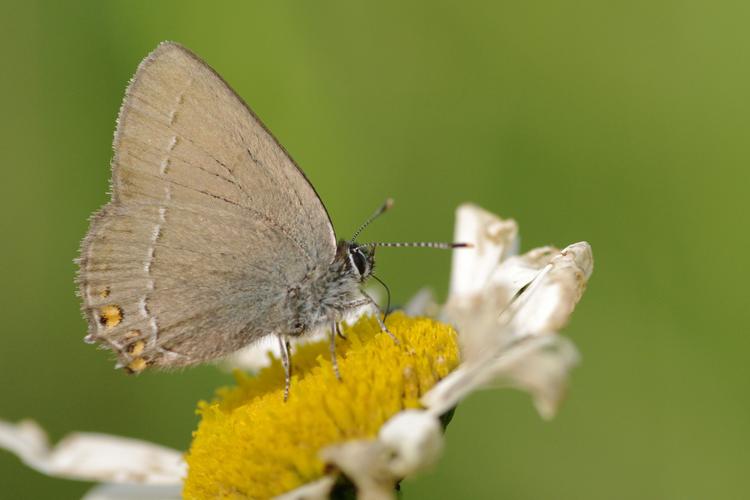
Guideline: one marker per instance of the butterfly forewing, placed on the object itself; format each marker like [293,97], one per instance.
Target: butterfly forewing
[183,264]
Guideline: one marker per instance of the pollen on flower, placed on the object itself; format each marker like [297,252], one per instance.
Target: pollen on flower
[250,443]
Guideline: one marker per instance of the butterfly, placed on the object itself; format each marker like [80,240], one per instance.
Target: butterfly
[214,238]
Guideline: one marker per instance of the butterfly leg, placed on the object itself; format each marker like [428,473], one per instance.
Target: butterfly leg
[339,333]
[287,364]
[289,351]
[334,363]
[378,314]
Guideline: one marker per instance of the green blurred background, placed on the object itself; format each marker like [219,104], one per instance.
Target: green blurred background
[625,124]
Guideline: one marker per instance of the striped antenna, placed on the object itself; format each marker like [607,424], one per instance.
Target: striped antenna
[419,244]
[387,205]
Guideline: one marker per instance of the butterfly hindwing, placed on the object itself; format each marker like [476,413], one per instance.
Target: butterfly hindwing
[210,222]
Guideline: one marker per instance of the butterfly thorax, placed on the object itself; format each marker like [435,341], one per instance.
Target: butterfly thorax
[328,293]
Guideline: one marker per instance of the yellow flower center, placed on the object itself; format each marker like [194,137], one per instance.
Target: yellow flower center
[252,444]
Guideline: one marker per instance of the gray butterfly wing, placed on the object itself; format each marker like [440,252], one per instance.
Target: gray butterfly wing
[209,225]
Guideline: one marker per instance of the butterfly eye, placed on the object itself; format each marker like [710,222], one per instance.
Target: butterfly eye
[360,262]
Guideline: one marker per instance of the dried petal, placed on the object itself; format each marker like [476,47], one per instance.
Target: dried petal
[508,321]
[365,463]
[493,240]
[93,457]
[541,370]
[556,282]
[415,439]
[537,365]
[409,442]
[316,490]
[134,492]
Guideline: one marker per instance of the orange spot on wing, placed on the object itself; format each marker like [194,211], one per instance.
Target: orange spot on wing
[110,316]
[137,365]
[137,348]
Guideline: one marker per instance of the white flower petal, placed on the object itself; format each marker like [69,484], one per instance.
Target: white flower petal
[493,239]
[415,439]
[542,371]
[519,270]
[409,442]
[317,490]
[422,304]
[447,393]
[253,357]
[582,256]
[134,492]
[26,440]
[547,303]
[531,294]
[364,462]
[538,365]
[93,457]
[507,310]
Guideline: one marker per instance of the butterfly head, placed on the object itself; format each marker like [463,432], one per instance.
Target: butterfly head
[361,259]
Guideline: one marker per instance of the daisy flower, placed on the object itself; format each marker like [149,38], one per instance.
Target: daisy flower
[384,420]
